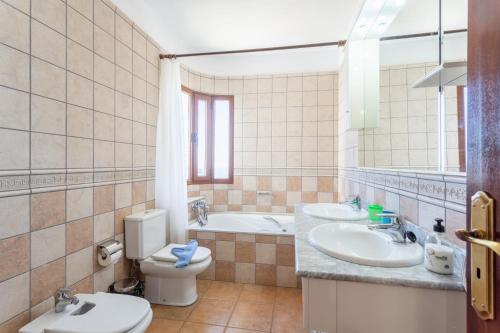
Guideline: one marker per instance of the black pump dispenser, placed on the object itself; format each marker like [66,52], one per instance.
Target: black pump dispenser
[438,227]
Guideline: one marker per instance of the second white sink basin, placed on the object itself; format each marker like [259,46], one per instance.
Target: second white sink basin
[332,211]
[358,244]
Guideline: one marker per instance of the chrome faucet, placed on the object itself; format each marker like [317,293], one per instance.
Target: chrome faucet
[396,229]
[64,298]
[354,202]
[272,219]
[200,208]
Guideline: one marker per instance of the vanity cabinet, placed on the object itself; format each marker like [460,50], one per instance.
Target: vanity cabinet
[355,307]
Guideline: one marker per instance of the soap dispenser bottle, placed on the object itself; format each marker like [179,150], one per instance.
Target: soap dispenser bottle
[438,257]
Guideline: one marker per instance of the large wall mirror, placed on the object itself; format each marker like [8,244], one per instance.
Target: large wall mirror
[422,90]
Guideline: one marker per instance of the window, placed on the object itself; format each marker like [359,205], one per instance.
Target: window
[210,136]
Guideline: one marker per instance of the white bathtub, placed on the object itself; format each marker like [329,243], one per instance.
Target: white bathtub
[247,223]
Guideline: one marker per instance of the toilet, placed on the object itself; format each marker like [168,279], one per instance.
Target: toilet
[96,313]
[145,241]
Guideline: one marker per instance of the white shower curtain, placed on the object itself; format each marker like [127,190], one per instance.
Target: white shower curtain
[171,170]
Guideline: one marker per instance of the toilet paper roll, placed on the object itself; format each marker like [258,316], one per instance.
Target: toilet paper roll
[110,259]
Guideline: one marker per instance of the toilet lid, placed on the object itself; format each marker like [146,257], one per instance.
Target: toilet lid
[112,313]
[165,254]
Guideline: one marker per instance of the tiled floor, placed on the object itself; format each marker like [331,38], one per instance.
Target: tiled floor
[233,308]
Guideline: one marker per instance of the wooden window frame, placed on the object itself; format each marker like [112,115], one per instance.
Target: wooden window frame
[193,178]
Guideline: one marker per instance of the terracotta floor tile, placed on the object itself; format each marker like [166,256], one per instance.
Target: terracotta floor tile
[258,294]
[287,319]
[202,286]
[212,311]
[289,296]
[172,312]
[160,325]
[200,328]
[254,316]
[238,330]
[223,290]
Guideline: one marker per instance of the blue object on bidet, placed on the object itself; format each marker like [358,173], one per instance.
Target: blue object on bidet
[185,253]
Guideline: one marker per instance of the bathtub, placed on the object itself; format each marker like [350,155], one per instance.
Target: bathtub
[247,223]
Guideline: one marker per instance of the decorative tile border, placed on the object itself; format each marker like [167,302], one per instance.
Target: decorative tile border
[40,180]
[442,189]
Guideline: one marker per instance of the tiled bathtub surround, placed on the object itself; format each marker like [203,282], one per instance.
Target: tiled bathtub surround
[78,106]
[249,258]
[285,140]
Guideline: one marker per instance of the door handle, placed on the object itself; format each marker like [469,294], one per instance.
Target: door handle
[477,236]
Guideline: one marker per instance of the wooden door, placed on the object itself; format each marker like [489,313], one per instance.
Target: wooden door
[483,129]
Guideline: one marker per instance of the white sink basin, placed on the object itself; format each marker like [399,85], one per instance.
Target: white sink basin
[332,211]
[358,244]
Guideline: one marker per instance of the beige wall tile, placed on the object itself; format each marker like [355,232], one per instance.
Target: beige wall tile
[123,56]
[14,216]
[14,109]
[123,105]
[79,234]
[79,153]
[48,209]
[79,203]
[48,80]
[123,31]
[14,256]
[265,274]
[80,29]
[245,273]
[45,280]
[123,81]
[15,296]
[104,71]
[48,151]
[104,226]
[80,59]
[104,17]
[138,192]
[47,245]
[104,199]
[14,68]
[42,307]
[80,91]
[48,44]
[225,250]
[84,7]
[104,99]
[123,155]
[104,154]
[15,31]
[48,115]
[104,126]
[104,44]
[123,195]
[78,265]
[14,146]
[265,253]
[285,276]
[104,278]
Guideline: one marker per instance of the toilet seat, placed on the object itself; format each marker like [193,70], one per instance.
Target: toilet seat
[165,254]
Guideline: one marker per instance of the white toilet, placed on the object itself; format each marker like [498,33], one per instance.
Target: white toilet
[145,241]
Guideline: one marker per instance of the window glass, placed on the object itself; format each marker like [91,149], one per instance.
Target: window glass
[202,138]
[221,139]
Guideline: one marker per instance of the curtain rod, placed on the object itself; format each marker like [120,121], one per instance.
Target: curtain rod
[339,43]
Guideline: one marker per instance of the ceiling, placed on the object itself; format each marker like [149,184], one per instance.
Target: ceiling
[186,26]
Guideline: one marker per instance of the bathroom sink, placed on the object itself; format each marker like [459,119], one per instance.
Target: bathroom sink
[358,244]
[333,211]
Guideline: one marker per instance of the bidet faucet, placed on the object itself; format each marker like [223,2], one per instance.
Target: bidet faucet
[200,208]
[396,229]
[354,202]
[64,298]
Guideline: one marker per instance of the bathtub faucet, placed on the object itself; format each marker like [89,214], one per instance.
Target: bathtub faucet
[200,208]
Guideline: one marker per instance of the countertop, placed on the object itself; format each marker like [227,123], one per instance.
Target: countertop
[312,263]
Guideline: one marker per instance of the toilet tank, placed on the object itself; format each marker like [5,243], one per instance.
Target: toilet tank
[145,233]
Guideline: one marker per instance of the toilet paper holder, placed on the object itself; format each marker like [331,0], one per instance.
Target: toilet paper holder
[107,250]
